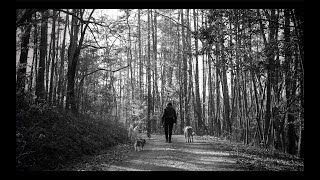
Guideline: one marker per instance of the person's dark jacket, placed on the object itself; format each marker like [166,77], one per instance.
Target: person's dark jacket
[169,115]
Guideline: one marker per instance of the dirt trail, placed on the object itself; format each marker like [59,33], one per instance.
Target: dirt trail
[176,156]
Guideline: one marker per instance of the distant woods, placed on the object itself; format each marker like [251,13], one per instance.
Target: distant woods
[234,73]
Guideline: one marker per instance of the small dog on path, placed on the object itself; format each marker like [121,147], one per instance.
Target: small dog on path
[139,143]
[188,134]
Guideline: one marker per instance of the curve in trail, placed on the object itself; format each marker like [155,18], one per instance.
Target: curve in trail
[176,156]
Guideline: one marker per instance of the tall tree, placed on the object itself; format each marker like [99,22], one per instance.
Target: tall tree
[40,90]
[155,53]
[34,65]
[129,54]
[204,74]
[289,83]
[53,37]
[73,55]
[217,72]
[179,50]
[21,76]
[140,55]
[190,94]
[185,71]
[149,80]
[61,69]
[55,88]
[224,82]
[269,53]
[200,119]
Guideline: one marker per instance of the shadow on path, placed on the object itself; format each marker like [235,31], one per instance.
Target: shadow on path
[176,156]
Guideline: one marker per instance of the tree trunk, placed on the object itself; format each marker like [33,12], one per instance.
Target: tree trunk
[269,52]
[204,77]
[21,76]
[73,56]
[40,90]
[53,34]
[185,71]
[54,95]
[217,118]
[225,85]
[130,55]
[140,57]
[211,108]
[48,62]
[190,82]
[154,36]
[245,110]
[61,69]
[35,55]
[149,80]
[71,60]
[197,74]
[180,81]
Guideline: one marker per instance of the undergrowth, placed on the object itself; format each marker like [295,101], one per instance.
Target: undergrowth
[257,158]
[48,138]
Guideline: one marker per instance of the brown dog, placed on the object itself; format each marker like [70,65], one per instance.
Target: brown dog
[139,143]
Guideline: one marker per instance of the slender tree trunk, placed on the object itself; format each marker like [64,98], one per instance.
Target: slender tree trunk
[40,90]
[190,82]
[225,85]
[211,108]
[154,35]
[35,55]
[204,77]
[245,117]
[54,95]
[257,105]
[290,85]
[180,80]
[149,80]
[21,76]
[217,119]
[130,55]
[71,60]
[140,57]
[48,62]
[270,55]
[185,71]
[197,74]
[61,69]
[53,34]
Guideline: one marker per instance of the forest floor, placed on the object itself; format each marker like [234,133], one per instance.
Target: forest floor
[206,153]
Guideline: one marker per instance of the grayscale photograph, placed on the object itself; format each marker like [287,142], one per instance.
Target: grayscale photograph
[160,90]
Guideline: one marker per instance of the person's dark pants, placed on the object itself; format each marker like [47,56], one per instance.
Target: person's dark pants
[168,131]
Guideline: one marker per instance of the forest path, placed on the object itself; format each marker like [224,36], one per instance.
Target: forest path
[158,155]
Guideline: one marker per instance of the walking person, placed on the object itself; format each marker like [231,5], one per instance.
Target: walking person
[169,117]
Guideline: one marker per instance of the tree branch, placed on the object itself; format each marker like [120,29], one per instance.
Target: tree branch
[172,20]
[100,69]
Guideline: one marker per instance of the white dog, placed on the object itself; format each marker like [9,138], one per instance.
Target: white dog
[188,134]
[133,133]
